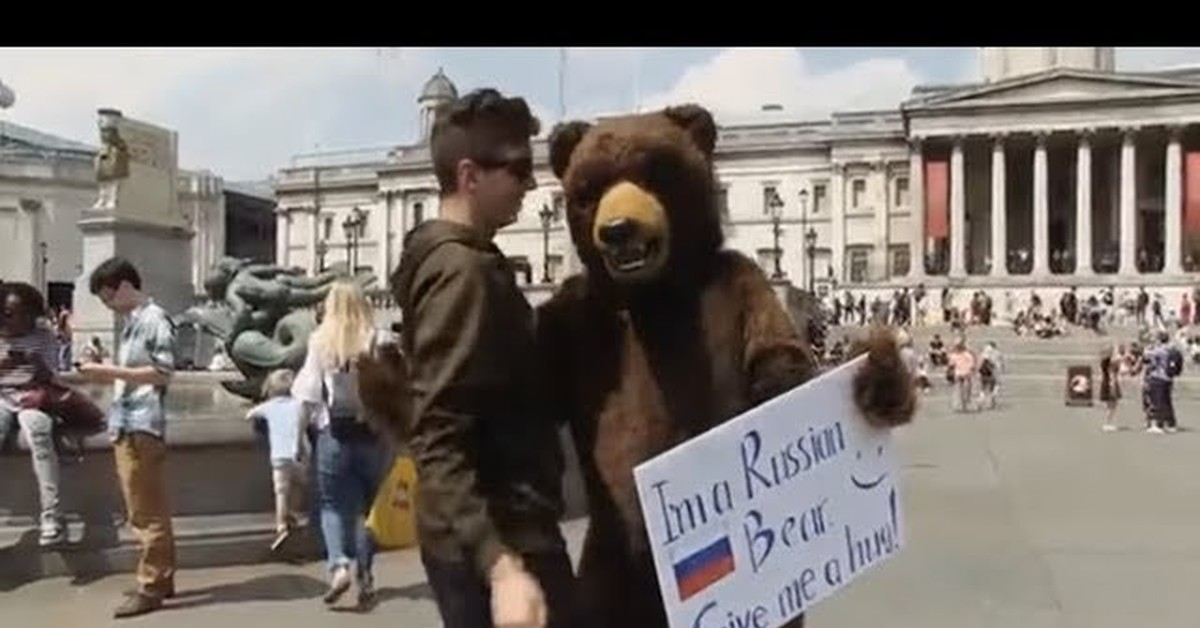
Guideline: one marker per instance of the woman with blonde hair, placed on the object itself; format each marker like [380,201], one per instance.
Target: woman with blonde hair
[351,455]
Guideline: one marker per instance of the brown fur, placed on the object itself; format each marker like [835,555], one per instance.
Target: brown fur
[640,369]
[382,388]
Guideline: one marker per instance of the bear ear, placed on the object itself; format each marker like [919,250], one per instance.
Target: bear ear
[698,122]
[563,140]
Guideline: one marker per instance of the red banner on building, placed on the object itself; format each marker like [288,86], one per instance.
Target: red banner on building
[1191,193]
[937,199]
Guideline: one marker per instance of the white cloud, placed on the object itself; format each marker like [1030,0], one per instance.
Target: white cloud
[739,81]
[240,112]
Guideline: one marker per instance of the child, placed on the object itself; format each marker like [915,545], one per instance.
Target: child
[289,449]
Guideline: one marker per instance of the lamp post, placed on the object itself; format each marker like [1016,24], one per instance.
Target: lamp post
[322,249]
[45,268]
[546,215]
[775,204]
[810,251]
[353,228]
[809,244]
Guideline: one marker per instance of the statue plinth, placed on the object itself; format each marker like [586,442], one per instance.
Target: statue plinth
[136,216]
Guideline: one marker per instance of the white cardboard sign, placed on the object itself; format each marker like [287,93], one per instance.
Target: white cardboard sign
[757,520]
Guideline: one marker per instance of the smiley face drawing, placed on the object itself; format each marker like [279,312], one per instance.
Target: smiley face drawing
[870,479]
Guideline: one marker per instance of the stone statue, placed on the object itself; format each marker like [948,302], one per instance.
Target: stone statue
[112,162]
[261,313]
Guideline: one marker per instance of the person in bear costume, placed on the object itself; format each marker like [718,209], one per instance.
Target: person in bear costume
[665,335]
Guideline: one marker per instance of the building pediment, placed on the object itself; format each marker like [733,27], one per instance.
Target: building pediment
[1058,87]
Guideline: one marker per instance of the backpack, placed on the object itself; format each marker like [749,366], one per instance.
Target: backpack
[1174,362]
[339,390]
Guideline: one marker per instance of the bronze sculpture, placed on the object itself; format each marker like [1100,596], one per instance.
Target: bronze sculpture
[263,313]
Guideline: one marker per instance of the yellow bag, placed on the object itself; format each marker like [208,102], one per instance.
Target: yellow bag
[392,520]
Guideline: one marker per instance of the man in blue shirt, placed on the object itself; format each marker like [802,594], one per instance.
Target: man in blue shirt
[144,363]
[1160,410]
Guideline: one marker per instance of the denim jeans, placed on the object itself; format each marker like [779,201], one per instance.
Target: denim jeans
[349,473]
[38,430]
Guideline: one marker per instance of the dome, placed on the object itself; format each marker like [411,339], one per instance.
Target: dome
[438,87]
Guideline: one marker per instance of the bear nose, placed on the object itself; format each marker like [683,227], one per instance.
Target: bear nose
[617,231]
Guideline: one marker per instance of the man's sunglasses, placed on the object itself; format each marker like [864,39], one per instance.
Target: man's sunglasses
[521,168]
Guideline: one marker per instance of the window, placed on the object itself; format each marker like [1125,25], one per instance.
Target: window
[859,262]
[558,203]
[901,192]
[901,260]
[858,193]
[766,260]
[522,270]
[820,198]
[723,203]
[418,213]
[328,226]
[554,263]
[770,193]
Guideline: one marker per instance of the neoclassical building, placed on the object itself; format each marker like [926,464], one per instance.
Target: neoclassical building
[1054,170]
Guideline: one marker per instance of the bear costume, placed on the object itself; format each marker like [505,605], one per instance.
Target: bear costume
[665,335]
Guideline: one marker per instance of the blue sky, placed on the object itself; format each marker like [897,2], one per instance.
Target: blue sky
[244,113]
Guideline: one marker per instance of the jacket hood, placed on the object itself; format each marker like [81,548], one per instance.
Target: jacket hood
[422,241]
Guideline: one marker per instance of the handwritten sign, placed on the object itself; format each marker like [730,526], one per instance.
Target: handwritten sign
[757,520]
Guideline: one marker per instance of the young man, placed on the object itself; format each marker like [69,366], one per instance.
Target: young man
[485,443]
[144,363]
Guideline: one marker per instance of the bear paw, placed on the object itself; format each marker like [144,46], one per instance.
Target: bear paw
[884,390]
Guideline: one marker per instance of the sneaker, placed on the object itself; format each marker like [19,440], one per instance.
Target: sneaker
[1154,429]
[137,604]
[1109,427]
[1171,429]
[53,532]
[367,596]
[339,583]
[281,537]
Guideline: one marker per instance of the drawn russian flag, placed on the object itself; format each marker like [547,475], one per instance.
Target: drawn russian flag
[703,568]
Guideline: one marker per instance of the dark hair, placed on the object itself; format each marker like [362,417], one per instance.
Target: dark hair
[30,297]
[111,273]
[479,126]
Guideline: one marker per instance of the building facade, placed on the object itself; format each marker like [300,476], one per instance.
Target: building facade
[1054,170]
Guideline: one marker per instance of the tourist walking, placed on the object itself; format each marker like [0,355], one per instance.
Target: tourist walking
[962,373]
[486,446]
[145,362]
[1110,385]
[352,456]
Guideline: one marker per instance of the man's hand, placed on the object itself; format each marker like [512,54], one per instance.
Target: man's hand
[97,373]
[517,599]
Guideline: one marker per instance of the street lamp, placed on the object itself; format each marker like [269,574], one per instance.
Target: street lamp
[353,228]
[809,244]
[775,204]
[546,215]
[322,249]
[810,251]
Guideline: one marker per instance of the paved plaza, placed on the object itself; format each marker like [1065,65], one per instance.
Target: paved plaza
[1024,516]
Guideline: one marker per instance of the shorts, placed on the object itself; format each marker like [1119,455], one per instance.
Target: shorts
[288,476]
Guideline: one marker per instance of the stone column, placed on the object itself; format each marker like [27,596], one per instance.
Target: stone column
[384,235]
[1083,205]
[1173,212]
[283,235]
[1041,209]
[314,236]
[1128,203]
[958,211]
[880,263]
[837,223]
[999,210]
[916,209]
